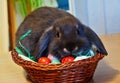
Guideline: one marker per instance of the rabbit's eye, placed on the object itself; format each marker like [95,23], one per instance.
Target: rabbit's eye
[58,35]
[77,32]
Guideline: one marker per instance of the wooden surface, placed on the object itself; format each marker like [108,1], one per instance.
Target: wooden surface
[12,22]
[108,70]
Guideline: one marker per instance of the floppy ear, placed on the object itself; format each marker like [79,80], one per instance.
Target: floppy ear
[41,48]
[94,39]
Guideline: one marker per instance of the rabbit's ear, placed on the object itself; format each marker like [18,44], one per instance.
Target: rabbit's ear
[41,48]
[94,39]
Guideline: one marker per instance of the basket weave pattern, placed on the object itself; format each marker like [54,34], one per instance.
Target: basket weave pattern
[73,72]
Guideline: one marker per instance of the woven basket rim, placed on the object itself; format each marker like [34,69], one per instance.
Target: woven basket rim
[45,67]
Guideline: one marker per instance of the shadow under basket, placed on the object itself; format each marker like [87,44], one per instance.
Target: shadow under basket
[73,72]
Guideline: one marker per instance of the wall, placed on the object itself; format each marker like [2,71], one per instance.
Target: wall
[103,16]
[112,15]
[3,28]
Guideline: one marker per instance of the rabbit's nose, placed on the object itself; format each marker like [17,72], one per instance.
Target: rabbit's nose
[70,50]
[66,50]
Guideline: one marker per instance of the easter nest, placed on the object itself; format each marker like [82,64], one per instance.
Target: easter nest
[80,71]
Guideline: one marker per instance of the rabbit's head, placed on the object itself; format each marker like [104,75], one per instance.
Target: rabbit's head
[66,36]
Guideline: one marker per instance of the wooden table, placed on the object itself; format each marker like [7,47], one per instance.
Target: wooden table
[108,70]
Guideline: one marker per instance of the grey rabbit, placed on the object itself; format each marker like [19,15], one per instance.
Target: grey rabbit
[55,31]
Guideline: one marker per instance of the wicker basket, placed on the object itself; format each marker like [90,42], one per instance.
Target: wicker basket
[73,72]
